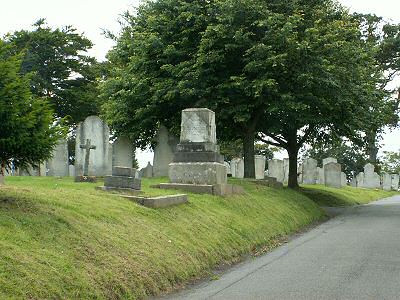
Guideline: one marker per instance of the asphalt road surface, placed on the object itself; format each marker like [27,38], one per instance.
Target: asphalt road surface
[355,255]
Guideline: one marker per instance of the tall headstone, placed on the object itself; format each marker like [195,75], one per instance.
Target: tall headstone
[147,172]
[343,179]
[259,166]
[353,182]
[163,152]
[237,168]
[97,131]
[328,160]
[395,182]
[122,153]
[371,178]
[275,169]
[333,175]
[286,170]
[197,160]
[386,182]
[321,176]
[310,171]
[360,180]
[58,164]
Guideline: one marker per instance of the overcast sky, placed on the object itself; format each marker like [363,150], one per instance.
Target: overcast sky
[91,16]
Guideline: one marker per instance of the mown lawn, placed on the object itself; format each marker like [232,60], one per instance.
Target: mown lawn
[60,239]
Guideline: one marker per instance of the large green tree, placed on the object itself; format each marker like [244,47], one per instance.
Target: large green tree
[60,68]
[27,131]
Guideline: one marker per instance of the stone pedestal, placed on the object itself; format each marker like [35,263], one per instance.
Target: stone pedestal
[122,178]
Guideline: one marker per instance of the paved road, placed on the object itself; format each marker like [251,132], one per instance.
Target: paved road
[353,256]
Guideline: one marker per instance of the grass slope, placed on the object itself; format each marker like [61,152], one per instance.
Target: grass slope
[60,239]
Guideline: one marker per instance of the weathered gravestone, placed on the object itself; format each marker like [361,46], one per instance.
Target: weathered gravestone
[328,160]
[163,152]
[237,168]
[395,182]
[386,182]
[343,179]
[353,182]
[360,180]
[286,170]
[122,179]
[333,175]
[85,176]
[197,160]
[147,172]
[309,171]
[197,165]
[275,169]
[259,166]
[122,153]
[100,160]
[71,170]
[321,176]
[58,164]
[371,178]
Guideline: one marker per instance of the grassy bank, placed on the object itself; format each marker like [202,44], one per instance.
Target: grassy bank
[59,239]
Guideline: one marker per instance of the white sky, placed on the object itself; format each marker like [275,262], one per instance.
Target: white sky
[91,16]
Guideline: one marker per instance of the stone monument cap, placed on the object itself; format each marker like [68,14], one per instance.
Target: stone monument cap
[198,126]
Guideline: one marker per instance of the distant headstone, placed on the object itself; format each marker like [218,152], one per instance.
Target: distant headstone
[237,168]
[147,172]
[328,160]
[228,168]
[386,182]
[97,131]
[286,170]
[321,176]
[122,178]
[275,169]
[371,178]
[395,182]
[343,179]
[71,169]
[163,152]
[333,175]
[360,180]
[353,182]
[58,164]
[309,171]
[259,166]
[122,153]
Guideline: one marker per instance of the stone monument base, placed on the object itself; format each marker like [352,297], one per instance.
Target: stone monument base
[122,182]
[269,182]
[215,189]
[209,173]
[90,179]
[159,202]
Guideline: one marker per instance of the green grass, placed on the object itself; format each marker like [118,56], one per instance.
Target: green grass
[60,239]
[347,196]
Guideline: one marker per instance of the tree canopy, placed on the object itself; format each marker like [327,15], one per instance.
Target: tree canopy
[60,68]
[27,131]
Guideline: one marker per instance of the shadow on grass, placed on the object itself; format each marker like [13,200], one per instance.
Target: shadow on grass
[327,198]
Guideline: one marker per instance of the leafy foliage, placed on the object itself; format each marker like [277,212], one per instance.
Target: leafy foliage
[60,68]
[27,132]
[390,162]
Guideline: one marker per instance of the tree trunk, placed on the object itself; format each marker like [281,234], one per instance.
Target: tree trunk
[248,151]
[372,148]
[293,151]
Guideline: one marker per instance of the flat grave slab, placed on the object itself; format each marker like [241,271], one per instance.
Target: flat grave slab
[159,202]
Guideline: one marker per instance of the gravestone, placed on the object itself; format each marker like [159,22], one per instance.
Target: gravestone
[328,160]
[237,168]
[360,180]
[163,152]
[197,160]
[58,164]
[286,170]
[321,176]
[100,160]
[71,169]
[122,178]
[228,168]
[122,153]
[259,166]
[309,171]
[333,175]
[395,182]
[353,182]
[371,178]
[386,182]
[343,179]
[275,169]
[85,177]
[147,172]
